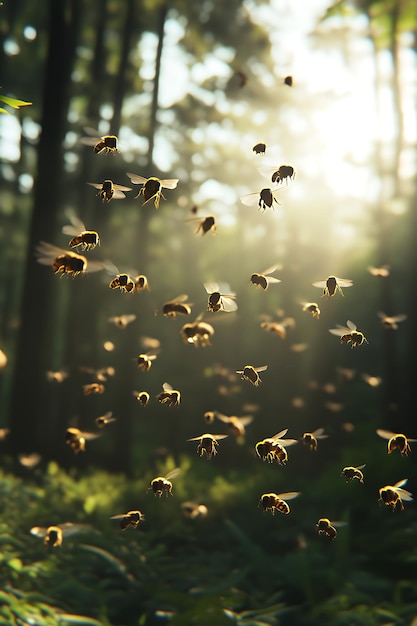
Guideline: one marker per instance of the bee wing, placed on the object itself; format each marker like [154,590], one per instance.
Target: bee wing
[182,298]
[110,267]
[351,325]
[290,495]
[250,199]
[271,279]
[169,183]
[318,433]
[229,304]
[76,222]
[211,287]
[399,318]
[118,194]
[405,495]
[173,473]
[280,434]
[344,282]
[382,315]
[39,531]
[71,230]
[401,483]
[121,188]
[338,524]
[167,387]
[320,283]
[216,437]
[261,368]
[70,529]
[246,420]
[94,266]
[46,252]
[90,141]
[340,331]
[272,269]
[96,185]
[137,179]
[222,418]
[287,442]
[385,434]
[121,516]
[196,438]
[89,436]
[359,467]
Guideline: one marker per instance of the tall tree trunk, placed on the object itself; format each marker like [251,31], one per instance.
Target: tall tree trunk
[33,424]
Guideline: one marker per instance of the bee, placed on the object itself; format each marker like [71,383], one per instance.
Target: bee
[107,144]
[391,322]
[346,373]
[152,187]
[326,528]
[218,301]
[93,388]
[250,373]
[144,361]
[30,461]
[277,502]
[142,397]
[162,484]
[259,148]
[288,80]
[263,279]
[210,416]
[131,518]
[350,473]
[57,376]
[382,271]
[198,333]
[272,449]
[313,308]
[104,420]
[264,198]
[278,328]
[236,425]
[310,439]
[141,283]
[4,432]
[77,439]
[65,262]
[372,381]
[332,285]
[3,359]
[193,510]
[205,224]
[396,441]
[177,306]
[278,174]
[169,396]
[207,444]
[393,495]
[124,282]
[53,536]
[122,321]
[83,239]
[350,334]
[108,190]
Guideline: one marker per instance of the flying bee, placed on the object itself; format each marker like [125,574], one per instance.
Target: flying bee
[4,432]
[278,174]
[83,239]
[350,473]
[218,301]
[393,495]
[210,416]
[207,444]
[93,388]
[264,198]
[53,536]
[177,306]
[141,283]
[57,376]
[372,381]
[236,425]
[131,518]
[205,224]
[259,148]
[263,279]
[193,510]
[396,441]
[77,439]
[152,187]
[278,328]
[277,502]
[382,271]
[162,484]
[350,334]
[326,528]
[65,262]
[332,285]
[124,282]
[108,190]
[288,80]
[391,322]
[142,397]
[122,321]
[30,461]
[313,308]
[169,396]
[310,439]
[107,144]
[250,373]
[272,449]
[144,361]
[198,333]
[104,420]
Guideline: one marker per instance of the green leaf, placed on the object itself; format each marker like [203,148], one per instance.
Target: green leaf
[14,103]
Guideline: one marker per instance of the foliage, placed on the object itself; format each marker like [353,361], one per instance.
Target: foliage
[13,103]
